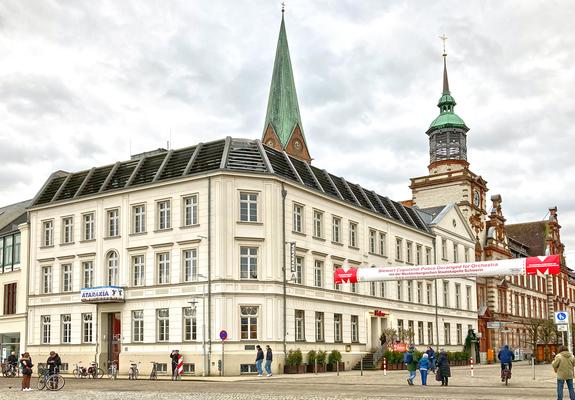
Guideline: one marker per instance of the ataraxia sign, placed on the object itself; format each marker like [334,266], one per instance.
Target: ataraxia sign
[102,294]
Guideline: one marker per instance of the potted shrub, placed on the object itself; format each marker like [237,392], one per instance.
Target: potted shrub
[387,355]
[333,360]
[293,364]
[321,357]
[311,357]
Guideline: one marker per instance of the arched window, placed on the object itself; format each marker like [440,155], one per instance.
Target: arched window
[112,262]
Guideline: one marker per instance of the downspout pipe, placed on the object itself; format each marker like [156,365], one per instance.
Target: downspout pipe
[284,194]
[209,274]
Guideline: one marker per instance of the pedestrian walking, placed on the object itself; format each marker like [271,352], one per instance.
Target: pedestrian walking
[259,360]
[174,356]
[443,370]
[423,368]
[563,365]
[431,354]
[26,365]
[269,359]
[410,361]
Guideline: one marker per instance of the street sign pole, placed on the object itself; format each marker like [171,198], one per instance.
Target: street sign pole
[562,321]
[223,337]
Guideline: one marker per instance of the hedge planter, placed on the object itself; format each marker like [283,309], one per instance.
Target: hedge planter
[320,368]
[294,369]
[333,367]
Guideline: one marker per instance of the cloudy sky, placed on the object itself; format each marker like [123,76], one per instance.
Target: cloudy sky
[83,83]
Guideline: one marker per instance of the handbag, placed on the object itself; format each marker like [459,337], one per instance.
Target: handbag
[438,376]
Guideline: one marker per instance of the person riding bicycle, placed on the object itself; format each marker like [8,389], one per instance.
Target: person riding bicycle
[54,362]
[505,356]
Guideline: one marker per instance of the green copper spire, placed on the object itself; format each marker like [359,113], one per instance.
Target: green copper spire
[283,110]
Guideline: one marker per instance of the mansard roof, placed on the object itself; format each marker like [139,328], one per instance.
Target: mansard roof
[240,155]
[13,215]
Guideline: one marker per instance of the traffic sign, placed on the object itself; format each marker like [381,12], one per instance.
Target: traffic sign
[562,328]
[223,335]
[561,317]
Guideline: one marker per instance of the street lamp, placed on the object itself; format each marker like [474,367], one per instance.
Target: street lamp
[193,304]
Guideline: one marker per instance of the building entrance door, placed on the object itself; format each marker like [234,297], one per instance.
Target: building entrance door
[115,335]
[375,333]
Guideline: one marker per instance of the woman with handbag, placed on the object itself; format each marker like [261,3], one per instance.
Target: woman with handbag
[26,364]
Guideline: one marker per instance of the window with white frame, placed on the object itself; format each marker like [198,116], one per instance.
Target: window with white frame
[67,230]
[45,328]
[443,248]
[66,277]
[354,328]
[353,234]
[138,326]
[66,321]
[164,211]
[113,222]
[248,207]
[383,289]
[468,297]
[382,239]
[419,292]
[191,210]
[409,252]
[336,230]
[447,333]
[420,337]
[297,218]
[87,328]
[298,273]
[398,249]
[163,323]
[48,233]
[430,332]
[455,253]
[47,279]
[163,262]
[190,325]
[299,325]
[113,273]
[88,229]
[336,286]
[319,326]
[138,270]
[248,262]
[338,328]
[190,257]
[87,274]
[458,295]
[399,290]
[139,218]
[409,291]
[372,240]
[372,288]
[418,251]
[318,273]
[427,256]
[459,331]
[353,287]
[249,322]
[429,293]
[317,224]
[445,293]
[466,254]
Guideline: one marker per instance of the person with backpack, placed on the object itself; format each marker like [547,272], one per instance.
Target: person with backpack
[410,361]
[563,365]
[424,366]
[431,355]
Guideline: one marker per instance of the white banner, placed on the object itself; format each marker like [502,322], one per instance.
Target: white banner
[102,294]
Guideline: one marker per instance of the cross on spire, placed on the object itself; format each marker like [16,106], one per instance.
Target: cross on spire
[444,39]
[283,7]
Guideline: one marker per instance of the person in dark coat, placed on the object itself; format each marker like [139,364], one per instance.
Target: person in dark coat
[259,360]
[26,365]
[269,359]
[431,354]
[443,369]
[505,356]
[174,356]
[54,362]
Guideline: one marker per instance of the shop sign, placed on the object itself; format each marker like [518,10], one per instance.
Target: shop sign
[102,294]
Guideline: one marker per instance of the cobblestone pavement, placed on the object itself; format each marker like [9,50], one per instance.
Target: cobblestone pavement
[349,385]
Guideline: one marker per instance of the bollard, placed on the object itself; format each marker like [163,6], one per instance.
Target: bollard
[533,365]
[471,361]
[315,367]
[337,367]
[384,366]
[361,365]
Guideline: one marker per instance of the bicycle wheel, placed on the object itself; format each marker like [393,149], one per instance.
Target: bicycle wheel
[41,383]
[55,382]
[76,373]
[99,373]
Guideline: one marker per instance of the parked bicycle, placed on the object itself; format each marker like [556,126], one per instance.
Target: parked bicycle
[10,370]
[154,373]
[505,373]
[52,382]
[133,372]
[112,369]
[93,371]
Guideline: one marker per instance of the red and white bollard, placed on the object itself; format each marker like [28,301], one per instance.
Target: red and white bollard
[471,364]
[180,365]
[384,366]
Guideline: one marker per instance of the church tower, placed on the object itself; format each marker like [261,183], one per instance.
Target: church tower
[283,129]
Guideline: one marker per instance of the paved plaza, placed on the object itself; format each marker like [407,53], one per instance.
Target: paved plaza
[349,385]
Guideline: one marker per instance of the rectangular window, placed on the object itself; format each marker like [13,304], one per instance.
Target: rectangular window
[139,218]
[459,334]
[299,325]
[67,230]
[338,328]
[466,254]
[354,329]
[382,239]
[164,211]
[191,210]
[336,286]
[189,369]
[248,263]
[420,337]
[409,252]
[87,274]
[138,270]
[353,234]
[87,328]
[17,247]
[163,260]
[48,233]
[457,295]
[383,289]
[336,229]
[399,290]
[113,267]
[372,288]
[46,280]
[372,241]
[190,325]
[317,224]
[445,294]
[298,218]
[8,253]
[88,229]
[400,330]
[163,323]
[399,249]
[319,327]
[430,332]
[455,253]
[190,258]
[409,291]
[418,250]
[444,249]
[353,287]
[318,273]
[138,326]
[66,321]
[427,256]
[10,298]
[468,296]
[429,293]
[2,254]
[419,292]
[248,207]
[447,333]
[113,222]
[298,273]
[66,277]
[45,329]
[249,322]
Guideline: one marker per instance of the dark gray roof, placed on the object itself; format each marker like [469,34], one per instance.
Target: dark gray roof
[13,215]
[227,154]
[429,214]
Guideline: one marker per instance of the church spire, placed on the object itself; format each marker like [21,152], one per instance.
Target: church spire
[445,80]
[283,128]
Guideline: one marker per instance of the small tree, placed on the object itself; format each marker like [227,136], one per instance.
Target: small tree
[388,336]
[311,357]
[321,357]
[533,328]
[548,335]
[409,335]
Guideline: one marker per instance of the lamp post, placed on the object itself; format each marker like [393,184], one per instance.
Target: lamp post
[203,321]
